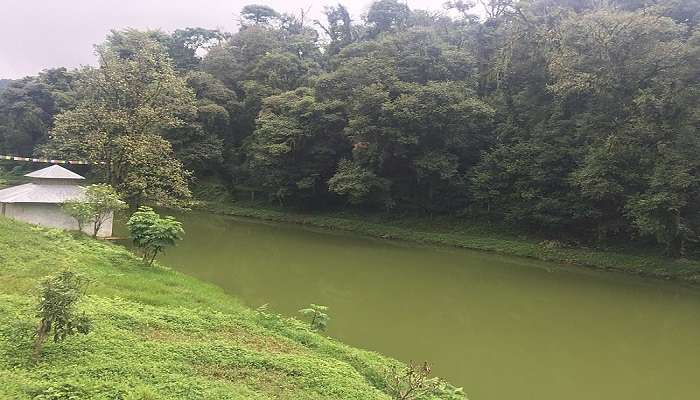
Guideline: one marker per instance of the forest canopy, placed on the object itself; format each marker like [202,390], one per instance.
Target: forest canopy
[576,116]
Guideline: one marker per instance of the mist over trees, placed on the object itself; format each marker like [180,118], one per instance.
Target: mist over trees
[561,116]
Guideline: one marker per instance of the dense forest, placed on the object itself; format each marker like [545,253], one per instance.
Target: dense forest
[561,116]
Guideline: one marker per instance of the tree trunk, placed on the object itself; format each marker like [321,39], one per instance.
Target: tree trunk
[675,245]
[41,334]
[153,257]
[674,248]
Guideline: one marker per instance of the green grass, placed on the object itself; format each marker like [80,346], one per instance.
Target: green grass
[479,236]
[160,335]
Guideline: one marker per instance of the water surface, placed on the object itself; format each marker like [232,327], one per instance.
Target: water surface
[501,327]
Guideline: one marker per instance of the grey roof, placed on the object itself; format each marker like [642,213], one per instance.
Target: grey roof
[41,193]
[54,172]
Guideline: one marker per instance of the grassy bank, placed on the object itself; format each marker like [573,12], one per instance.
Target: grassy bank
[160,335]
[458,233]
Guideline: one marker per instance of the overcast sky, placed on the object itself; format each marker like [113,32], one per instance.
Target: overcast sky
[39,34]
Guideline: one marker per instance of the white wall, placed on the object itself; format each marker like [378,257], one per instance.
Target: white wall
[51,215]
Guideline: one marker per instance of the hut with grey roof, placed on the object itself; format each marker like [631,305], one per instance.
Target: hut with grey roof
[39,201]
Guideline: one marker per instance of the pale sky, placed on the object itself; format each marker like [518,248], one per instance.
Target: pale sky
[39,34]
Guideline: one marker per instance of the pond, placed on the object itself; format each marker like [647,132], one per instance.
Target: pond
[501,327]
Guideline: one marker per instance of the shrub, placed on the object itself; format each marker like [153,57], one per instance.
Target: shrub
[151,233]
[97,206]
[59,295]
[317,314]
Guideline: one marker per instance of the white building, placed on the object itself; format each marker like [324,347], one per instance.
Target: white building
[39,201]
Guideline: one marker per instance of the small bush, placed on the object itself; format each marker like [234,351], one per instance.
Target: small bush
[101,200]
[59,295]
[318,317]
[151,233]
[411,382]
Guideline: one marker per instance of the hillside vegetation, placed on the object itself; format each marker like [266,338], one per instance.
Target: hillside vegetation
[160,335]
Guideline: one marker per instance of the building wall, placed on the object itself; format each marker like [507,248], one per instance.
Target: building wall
[51,215]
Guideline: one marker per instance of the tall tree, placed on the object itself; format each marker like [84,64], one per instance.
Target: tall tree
[126,104]
[296,145]
[28,106]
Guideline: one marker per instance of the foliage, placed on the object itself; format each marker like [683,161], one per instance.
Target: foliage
[152,233]
[59,295]
[81,211]
[258,14]
[411,382]
[317,315]
[184,45]
[295,145]
[28,105]
[199,143]
[359,184]
[558,116]
[385,15]
[4,83]
[126,104]
[65,391]
[144,178]
[157,321]
[100,201]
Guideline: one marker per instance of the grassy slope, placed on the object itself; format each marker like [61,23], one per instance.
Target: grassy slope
[460,233]
[159,334]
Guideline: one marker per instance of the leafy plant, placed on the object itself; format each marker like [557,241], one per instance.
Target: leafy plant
[317,314]
[152,233]
[100,201]
[80,210]
[65,391]
[411,382]
[59,295]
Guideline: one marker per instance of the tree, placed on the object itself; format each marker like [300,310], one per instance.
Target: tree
[263,60]
[56,309]
[667,208]
[385,15]
[360,185]
[256,14]
[152,233]
[4,83]
[339,28]
[602,58]
[80,210]
[200,143]
[28,106]
[318,317]
[159,180]
[185,45]
[421,138]
[126,105]
[98,205]
[296,145]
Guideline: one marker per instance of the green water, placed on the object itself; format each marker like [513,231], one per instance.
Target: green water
[504,328]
